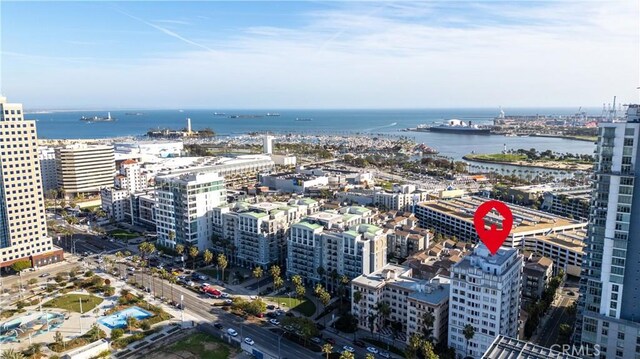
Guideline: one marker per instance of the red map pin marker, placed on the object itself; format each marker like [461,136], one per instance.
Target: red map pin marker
[493,237]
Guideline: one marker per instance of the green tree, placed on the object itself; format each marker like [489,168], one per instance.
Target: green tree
[207,256]
[369,356]
[274,270]
[469,333]
[132,323]
[296,280]
[179,247]
[19,266]
[427,350]
[300,291]
[278,283]
[35,350]
[116,334]
[222,263]
[193,253]
[427,325]
[384,311]
[321,272]
[58,339]
[327,349]
[257,274]
[347,355]
[11,354]
[415,342]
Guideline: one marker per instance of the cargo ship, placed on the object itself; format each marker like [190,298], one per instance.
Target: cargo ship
[98,119]
[456,126]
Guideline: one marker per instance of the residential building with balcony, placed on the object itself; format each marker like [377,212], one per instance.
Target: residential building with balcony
[85,168]
[485,293]
[409,301]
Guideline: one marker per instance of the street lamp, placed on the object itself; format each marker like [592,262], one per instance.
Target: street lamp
[279,339]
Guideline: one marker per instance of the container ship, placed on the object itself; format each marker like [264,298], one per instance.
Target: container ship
[98,119]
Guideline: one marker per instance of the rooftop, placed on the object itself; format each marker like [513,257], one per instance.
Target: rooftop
[504,347]
[311,226]
[524,219]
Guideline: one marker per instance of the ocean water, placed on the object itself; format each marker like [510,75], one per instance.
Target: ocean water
[66,125]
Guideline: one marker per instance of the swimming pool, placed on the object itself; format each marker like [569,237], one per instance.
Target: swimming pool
[31,324]
[119,318]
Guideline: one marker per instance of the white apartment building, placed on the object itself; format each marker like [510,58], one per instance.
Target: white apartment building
[85,168]
[485,293]
[47,157]
[255,234]
[408,298]
[336,242]
[185,203]
[117,200]
[23,228]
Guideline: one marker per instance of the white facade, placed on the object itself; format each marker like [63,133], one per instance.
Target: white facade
[485,293]
[267,145]
[151,148]
[114,202]
[408,298]
[85,168]
[23,228]
[185,204]
[47,157]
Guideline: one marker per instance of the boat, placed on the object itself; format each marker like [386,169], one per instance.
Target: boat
[219,114]
[456,126]
[245,116]
[98,119]
[273,114]
[134,113]
[304,119]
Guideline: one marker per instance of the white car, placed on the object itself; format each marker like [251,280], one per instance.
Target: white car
[385,355]
[274,321]
[232,332]
[249,341]
[253,297]
[348,348]
[372,350]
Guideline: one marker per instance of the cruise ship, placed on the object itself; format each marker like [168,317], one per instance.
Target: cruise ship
[456,126]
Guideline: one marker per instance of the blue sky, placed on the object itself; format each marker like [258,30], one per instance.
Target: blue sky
[314,54]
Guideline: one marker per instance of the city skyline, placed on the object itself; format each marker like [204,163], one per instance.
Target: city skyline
[319,54]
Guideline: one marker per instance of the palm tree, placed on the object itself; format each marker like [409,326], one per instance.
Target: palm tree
[414,345]
[172,281]
[347,355]
[131,323]
[384,310]
[369,356]
[11,354]
[35,350]
[193,253]
[207,256]
[257,274]
[327,349]
[179,247]
[468,332]
[222,263]
[321,272]
[427,350]
[372,322]
[427,325]
[274,270]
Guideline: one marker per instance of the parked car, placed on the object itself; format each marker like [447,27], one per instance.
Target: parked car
[274,321]
[359,343]
[249,341]
[232,332]
[331,341]
[218,325]
[384,355]
[348,348]
[44,275]
[271,307]
[372,350]
[316,340]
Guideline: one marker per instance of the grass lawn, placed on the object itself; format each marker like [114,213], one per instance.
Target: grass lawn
[124,234]
[201,346]
[71,302]
[502,157]
[305,307]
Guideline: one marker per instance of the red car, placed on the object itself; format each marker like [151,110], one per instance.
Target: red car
[260,315]
[212,292]
[331,341]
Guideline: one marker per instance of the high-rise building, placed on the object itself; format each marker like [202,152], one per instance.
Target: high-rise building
[47,157]
[184,211]
[117,201]
[85,168]
[608,311]
[267,145]
[23,228]
[485,294]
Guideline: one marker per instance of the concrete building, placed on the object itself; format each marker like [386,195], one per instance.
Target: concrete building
[23,228]
[116,200]
[572,203]
[485,293]
[334,241]
[47,157]
[504,347]
[284,160]
[184,210]
[256,234]
[608,311]
[404,236]
[408,298]
[267,145]
[146,149]
[292,182]
[537,273]
[454,217]
[85,168]
[566,249]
